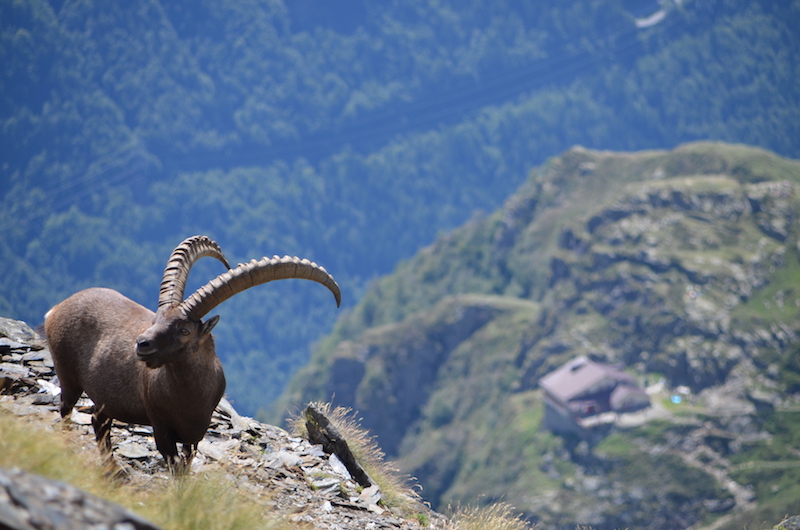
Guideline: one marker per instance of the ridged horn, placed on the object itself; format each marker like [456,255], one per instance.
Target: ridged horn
[248,275]
[173,283]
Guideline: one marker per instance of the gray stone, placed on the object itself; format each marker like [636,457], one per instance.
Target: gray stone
[18,331]
[132,449]
[14,370]
[29,502]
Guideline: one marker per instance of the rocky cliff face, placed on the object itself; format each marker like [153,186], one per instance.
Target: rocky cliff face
[681,265]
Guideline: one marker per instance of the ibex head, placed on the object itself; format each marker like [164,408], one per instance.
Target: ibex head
[172,333]
[178,327]
[171,336]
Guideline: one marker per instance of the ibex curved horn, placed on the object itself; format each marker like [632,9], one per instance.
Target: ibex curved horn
[173,283]
[248,275]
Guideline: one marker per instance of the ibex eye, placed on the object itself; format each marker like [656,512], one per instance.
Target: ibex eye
[185,331]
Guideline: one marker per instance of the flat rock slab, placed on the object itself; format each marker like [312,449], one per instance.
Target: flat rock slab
[31,502]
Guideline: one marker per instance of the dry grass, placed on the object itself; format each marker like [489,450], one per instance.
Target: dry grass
[498,516]
[398,490]
[28,446]
[207,500]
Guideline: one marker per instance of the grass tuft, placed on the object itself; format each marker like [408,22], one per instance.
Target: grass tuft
[498,516]
[26,445]
[397,489]
[204,501]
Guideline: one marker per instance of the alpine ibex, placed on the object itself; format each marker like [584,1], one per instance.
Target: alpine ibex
[161,368]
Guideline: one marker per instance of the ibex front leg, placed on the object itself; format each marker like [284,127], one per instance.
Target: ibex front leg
[167,444]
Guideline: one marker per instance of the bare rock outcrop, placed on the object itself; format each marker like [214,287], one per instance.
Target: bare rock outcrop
[31,502]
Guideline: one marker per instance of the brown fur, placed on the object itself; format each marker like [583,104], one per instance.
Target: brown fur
[137,366]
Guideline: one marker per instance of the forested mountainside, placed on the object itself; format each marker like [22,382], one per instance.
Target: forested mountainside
[680,265]
[352,137]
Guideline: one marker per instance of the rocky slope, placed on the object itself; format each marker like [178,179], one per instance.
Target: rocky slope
[682,265]
[293,479]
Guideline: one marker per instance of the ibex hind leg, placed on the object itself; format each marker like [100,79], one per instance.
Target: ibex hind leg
[102,430]
[102,434]
[69,396]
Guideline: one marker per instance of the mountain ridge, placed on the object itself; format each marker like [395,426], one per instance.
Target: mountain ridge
[665,261]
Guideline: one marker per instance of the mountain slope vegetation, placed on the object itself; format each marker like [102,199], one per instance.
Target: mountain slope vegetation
[680,265]
[352,138]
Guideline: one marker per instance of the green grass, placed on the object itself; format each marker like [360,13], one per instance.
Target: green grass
[653,431]
[769,513]
[776,301]
[616,445]
[772,469]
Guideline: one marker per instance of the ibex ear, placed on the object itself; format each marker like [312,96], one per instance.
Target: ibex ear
[209,324]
